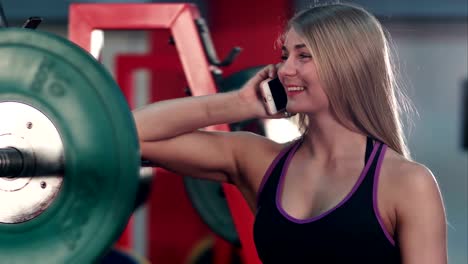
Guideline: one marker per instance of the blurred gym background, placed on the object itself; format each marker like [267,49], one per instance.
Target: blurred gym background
[431,41]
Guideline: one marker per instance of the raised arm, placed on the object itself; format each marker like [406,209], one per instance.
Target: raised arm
[169,132]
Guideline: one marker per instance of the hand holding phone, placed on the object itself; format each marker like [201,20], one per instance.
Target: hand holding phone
[273,95]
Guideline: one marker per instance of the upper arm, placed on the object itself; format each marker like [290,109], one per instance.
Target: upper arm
[421,222]
[213,155]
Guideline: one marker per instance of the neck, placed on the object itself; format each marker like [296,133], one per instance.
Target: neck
[328,140]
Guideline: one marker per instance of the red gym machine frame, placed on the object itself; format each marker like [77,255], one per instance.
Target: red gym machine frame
[179,19]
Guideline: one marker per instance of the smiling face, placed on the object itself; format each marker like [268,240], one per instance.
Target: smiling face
[298,74]
[348,48]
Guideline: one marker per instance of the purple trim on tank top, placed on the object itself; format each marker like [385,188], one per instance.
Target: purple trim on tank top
[273,165]
[374,196]
[315,218]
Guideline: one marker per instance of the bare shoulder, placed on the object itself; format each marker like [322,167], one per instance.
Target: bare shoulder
[253,155]
[253,152]
[412,184]
[407,174]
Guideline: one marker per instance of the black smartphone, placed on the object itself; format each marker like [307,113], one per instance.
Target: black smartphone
[274,96]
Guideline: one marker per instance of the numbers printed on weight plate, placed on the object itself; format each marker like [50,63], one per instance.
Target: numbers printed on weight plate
[46,79]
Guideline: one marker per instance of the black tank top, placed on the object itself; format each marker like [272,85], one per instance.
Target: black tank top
[351,232]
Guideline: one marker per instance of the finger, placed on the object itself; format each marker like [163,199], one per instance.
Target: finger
[276,68]
[268,71]
[278,65]
[283,114]
[272,71]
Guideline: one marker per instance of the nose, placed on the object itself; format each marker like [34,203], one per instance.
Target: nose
[287,68]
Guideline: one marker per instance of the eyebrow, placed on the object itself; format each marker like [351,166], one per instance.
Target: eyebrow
[297,46]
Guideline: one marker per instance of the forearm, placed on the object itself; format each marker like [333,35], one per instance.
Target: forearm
[167,119]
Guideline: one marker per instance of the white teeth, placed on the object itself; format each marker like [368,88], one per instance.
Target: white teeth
[297,88]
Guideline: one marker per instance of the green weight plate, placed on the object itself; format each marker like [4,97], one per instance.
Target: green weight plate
[208,199]
[100,145]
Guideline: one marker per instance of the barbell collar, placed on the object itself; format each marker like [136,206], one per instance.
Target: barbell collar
[11,162]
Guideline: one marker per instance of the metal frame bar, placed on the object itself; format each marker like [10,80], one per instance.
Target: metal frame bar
[180,20]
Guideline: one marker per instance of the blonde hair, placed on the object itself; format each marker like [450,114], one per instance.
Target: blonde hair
[352,53]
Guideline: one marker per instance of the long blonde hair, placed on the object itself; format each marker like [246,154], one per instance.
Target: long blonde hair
[354,62]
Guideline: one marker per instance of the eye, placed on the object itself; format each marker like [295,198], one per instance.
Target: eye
[305,56]
[284,57]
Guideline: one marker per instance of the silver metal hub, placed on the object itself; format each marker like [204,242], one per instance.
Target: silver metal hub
[29,131]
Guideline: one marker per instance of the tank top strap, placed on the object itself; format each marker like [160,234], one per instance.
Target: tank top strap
[372,169]
[369,147]
[277,164]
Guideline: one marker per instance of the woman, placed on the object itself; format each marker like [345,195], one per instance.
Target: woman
[347,191]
